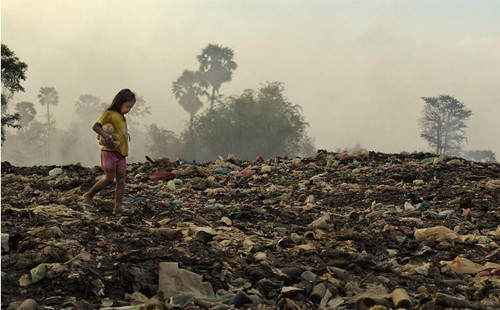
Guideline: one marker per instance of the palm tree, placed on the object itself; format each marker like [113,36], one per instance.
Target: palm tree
[187,89]
[48,96]
[217,66]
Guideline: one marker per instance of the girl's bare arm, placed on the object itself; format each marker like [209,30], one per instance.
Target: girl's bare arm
[108,138]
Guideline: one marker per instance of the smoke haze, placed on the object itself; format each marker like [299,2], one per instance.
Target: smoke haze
[357,68]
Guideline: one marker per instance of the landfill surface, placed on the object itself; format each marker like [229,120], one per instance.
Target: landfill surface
[332,231]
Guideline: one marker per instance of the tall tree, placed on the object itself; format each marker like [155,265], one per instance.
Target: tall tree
[161,142]
[217,66]
[27,113]
[262,122]
[33,138]
[48,96]
[443,123]
[88,108]
[187,89]
[13,72]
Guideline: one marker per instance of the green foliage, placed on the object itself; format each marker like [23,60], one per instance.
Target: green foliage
[28,141]
[443,123]
[255,123]
[216,67]
[188,89]
[13,72]
[88,109]
[48,96]
[480,155]
[34,135]
[161,142]
[27,113]
[9,120]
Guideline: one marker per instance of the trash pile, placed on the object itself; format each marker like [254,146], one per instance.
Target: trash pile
[333,231]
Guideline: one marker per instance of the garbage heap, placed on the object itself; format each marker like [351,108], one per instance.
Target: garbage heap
[333,231]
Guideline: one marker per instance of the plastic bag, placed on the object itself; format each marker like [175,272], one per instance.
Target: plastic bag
[440,233]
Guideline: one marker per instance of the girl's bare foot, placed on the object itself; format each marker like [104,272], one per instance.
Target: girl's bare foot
[118,209]
[88,201]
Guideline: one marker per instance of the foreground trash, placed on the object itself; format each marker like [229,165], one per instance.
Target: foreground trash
[334,231]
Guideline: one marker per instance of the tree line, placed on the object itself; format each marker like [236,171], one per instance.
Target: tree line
[233,124]
[262,122]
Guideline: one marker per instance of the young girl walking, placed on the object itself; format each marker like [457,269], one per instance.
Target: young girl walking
[113,156]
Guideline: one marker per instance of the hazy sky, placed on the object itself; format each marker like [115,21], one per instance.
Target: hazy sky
[357,68]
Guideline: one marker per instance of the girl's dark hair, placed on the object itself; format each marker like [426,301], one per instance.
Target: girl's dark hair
[123,96]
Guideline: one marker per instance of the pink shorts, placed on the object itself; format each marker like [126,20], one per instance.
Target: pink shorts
[111,160]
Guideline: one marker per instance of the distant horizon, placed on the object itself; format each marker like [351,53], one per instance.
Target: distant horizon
[357,69]
[352,156]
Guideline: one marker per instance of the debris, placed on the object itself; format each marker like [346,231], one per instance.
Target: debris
[168,233]
[448,301]
[462,265]
[166,176]
[333,231]
[28,304]
[55,171]
[5,242]
[439,233]
[39,272]
[493,184]
[401,299]
[155,303]
[174,280]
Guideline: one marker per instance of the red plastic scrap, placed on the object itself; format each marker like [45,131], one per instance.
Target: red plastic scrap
[162,176]
[342,156]
[247,172]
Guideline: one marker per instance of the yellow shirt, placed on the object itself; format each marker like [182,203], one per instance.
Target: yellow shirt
[118,121]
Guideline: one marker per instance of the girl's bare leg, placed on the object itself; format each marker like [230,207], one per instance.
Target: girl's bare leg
[109,176]
[119,189]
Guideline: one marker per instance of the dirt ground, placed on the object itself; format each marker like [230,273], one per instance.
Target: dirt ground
[333,231]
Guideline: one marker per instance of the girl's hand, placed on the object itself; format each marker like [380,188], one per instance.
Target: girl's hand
[109,142]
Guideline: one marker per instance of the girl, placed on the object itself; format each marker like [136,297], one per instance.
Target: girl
[113,158]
